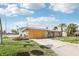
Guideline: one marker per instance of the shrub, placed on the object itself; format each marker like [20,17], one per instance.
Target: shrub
[42,46]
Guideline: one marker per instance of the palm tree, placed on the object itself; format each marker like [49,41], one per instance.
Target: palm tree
[62,27]
[71,29]
[1,31]
[55,28]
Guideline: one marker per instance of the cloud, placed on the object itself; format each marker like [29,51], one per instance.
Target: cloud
[13,9]
[22,9]
[25,12]
[20,23]
[25,24]
[42,19]
[64,7]
[40,22]
[34,6]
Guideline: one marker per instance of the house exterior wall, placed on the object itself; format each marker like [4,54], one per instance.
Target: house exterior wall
[64,34]
[38,34]
[53,34]
[50,34]
[57,34]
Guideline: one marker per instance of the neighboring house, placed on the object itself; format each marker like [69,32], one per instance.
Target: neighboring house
[35,33]
[76,33]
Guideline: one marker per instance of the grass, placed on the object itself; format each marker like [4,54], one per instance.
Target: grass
[10,41]
[12,48]
[71,39]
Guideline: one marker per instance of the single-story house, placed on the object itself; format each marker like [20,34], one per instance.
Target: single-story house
[36,33]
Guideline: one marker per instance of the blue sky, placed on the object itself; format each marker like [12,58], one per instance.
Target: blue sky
[40,15]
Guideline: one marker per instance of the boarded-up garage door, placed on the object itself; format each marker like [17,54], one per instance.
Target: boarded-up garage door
[37,33]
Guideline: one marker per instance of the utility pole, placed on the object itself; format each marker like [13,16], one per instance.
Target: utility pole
[1,31]
[17,29]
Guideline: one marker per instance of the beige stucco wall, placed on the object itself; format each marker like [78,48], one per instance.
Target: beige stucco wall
[64,34]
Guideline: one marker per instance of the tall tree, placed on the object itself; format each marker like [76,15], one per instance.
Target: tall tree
[62,25]
[71,29]
[55,28]
[1,31]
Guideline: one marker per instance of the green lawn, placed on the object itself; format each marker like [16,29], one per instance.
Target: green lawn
[71,39]
[24,47]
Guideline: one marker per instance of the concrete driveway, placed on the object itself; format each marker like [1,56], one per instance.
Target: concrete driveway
[61,48]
